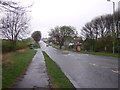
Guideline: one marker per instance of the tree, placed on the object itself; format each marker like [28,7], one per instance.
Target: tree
[62,33]
[7,5]
[36,36]
[100,34]
[14,23]
[89,35]
[14,26]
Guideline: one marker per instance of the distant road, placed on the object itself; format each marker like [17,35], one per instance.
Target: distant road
[84,70]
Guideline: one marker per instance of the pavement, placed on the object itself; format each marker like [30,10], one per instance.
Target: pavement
[35,75]
[84,70]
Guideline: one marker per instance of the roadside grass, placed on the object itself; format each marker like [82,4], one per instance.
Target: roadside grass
[55,46]
[100,53]
[14,64]
[57,77]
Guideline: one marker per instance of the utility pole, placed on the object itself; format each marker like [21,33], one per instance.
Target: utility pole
[114,26]
[118,19]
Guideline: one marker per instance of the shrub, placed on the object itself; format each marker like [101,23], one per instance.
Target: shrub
[8,46]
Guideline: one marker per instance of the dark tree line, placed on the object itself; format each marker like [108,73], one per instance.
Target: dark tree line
[102,33]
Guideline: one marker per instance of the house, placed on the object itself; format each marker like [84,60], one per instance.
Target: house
[73,43]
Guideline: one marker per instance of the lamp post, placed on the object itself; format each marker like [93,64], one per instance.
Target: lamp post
[118,21]
[114,26]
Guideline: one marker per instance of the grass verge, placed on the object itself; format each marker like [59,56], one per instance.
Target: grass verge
[101,53]
[57,77]
[14,64]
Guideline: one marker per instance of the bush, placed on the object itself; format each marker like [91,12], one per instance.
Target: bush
[8,46]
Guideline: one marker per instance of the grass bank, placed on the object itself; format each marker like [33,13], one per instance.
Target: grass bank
[14,64]
[57,77]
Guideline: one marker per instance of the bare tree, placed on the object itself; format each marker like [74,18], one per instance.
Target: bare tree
[14,25]
[8,5]
[100,29]
[87,31]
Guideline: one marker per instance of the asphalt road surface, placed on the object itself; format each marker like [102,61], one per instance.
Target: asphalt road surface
[84,70]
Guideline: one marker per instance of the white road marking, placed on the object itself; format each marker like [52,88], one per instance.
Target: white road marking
[65,55]
[93,64]
[115,71]
[68,55]
[86,54]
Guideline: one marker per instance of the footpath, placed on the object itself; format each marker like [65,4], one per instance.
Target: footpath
[35,75]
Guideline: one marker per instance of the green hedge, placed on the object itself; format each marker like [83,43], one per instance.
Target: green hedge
[8,46]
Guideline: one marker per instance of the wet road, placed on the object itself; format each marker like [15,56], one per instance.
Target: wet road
[86,71]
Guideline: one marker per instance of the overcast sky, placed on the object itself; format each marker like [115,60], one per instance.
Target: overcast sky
[46,14]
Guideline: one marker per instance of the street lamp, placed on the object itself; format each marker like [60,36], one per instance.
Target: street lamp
[114,26]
